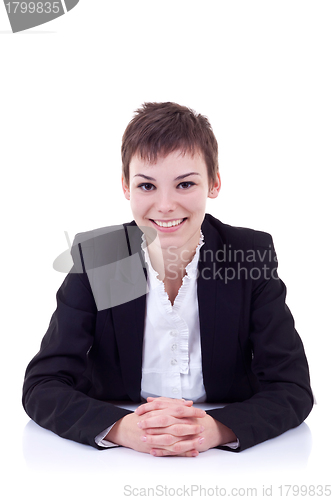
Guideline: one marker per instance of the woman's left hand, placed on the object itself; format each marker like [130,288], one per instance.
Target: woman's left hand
[172,427]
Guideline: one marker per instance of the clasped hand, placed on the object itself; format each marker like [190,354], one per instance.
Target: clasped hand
[165,426]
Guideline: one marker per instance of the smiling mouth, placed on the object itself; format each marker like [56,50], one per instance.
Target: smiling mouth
[170,223]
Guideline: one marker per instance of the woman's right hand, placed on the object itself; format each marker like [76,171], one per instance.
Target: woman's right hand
[126,432]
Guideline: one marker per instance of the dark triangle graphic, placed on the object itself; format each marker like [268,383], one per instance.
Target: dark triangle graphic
[25,15]
[70,4]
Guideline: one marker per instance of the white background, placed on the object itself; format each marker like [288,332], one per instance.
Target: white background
[262,73]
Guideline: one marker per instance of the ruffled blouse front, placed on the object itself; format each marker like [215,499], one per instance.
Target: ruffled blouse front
[171,365]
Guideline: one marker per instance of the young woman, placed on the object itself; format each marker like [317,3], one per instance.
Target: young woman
[172,309]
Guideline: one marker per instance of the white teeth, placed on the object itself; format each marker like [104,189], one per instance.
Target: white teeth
[168,224]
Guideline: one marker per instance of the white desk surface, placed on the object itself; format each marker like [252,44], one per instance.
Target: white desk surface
[64,468]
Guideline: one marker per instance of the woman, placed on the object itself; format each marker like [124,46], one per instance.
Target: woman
[174,308]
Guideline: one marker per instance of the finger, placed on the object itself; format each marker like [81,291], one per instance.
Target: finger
[161,420]
[158,452]
[188,402]
[162,440]
[160,404]
[178,411]
[177,429]
[182,445]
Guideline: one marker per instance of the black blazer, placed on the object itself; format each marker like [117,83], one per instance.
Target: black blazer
[252,356]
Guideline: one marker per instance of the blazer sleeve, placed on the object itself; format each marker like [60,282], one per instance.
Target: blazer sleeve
[284,398]
[53,394]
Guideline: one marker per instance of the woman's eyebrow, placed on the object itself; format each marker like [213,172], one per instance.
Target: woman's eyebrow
[145,177]
[176,179]
[186,175]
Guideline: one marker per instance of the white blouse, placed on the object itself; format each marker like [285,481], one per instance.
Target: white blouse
[171,363]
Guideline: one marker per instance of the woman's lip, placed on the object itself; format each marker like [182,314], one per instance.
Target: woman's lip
[168,220]
[170,229]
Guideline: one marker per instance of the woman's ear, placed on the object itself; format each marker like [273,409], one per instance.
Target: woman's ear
[125,188]
[215,187]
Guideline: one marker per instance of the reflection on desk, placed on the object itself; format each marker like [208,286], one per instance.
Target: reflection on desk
[43,450]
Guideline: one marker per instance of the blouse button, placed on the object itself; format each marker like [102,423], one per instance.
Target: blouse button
[175,390]
[173,333]
[173,362]
[174,347]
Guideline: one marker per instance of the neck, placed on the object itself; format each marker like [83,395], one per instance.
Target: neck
[170,263]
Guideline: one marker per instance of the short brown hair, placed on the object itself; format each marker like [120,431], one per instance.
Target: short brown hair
[161,128]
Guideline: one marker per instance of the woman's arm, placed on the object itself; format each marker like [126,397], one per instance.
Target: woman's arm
[283,397]
[54,377]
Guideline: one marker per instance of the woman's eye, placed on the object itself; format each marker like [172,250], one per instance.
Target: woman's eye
[185,185]
[146,186]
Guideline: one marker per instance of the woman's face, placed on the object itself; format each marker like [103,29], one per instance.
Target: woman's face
[170,196]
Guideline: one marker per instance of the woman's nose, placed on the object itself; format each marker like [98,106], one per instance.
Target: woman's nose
[165,202]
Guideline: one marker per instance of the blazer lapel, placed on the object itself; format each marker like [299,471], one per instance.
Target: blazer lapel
[219,302]
[129,319]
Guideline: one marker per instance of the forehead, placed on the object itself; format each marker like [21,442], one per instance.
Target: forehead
[177,161]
